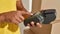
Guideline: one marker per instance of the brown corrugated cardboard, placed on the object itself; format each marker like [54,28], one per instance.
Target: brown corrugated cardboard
[36,5]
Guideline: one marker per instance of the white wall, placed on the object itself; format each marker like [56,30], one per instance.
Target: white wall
[27,4]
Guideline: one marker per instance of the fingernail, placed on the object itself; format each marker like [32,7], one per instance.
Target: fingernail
[27,27]
[31,14]
[32,22]
[39,25]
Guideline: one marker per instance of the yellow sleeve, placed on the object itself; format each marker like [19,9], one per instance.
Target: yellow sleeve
[7,5]
[7,28]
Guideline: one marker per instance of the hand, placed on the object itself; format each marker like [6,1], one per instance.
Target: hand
[2,18]
[32,25]
[13,17]
[35,28]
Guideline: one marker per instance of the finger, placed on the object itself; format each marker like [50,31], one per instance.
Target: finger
[21,17]
[39,25]
[32,23]
[14,21]
[28,25]
[18,19]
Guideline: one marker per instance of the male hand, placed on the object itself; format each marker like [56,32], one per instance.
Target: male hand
[35,28]
[13,16]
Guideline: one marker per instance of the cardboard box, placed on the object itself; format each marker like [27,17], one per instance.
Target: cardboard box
[46,28]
